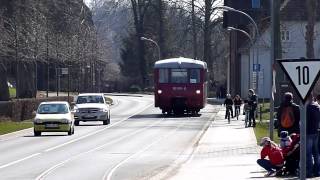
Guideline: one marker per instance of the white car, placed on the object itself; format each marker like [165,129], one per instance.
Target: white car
[54,117]
[91,107]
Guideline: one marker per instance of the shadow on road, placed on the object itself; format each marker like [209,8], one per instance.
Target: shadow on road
[46,135]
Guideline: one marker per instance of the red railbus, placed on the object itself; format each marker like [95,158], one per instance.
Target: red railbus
[180,85]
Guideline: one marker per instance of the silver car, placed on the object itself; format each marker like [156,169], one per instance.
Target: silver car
[91,107]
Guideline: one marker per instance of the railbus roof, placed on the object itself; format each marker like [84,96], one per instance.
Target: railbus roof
[180,63]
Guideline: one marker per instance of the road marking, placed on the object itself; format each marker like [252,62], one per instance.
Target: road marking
[50,170]
[93,133]
[108,175]
[19,160]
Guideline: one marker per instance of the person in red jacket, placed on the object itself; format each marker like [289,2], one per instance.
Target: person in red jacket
[275,159]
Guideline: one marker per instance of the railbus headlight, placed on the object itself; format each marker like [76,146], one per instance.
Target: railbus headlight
[198,91]
[159,91]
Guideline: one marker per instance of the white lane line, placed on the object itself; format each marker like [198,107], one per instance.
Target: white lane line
[19,160]
[93,133]
[50,170]
[108,175]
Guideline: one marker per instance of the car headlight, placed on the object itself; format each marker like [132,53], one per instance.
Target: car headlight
[103,110]
[159,91]
[198,91]
[37,121]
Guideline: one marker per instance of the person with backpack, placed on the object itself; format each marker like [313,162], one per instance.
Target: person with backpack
[288,115]
[313,120]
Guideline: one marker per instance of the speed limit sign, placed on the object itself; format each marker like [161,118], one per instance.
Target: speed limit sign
[303,74]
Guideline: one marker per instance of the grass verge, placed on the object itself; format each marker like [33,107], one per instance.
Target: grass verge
[262,130]
[9,126]
[12,92]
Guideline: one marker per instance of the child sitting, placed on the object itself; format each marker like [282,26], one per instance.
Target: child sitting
[285,139]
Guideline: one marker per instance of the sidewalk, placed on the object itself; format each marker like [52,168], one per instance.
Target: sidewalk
[226,151]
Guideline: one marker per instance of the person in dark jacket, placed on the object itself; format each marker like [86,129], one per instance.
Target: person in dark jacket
[252,103]
[313,119]
[228,102]
[288,102]
[237,104]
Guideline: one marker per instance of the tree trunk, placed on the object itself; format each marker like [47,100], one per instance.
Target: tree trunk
[312,12]
[138,10]
[4,90]
[161,30]
[26,76]
[207,33]
[194,32]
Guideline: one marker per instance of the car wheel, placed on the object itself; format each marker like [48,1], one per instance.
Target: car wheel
[70,131]
[106,122]
[37,133]
[76,123]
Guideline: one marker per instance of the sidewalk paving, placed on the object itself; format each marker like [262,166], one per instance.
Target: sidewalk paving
[226,151]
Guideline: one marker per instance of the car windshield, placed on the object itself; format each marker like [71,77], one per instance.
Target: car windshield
[89,99]
[52,109]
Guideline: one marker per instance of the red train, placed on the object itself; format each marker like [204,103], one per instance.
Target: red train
[180,85]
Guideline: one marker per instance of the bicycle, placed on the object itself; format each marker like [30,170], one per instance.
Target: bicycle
[237,111]
[247,116]
[228,113]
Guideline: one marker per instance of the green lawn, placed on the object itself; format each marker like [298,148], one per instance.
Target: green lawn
[9,126]
[262,129]
[12,92]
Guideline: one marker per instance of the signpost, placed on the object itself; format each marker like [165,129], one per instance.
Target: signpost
[256,67]
[303,74]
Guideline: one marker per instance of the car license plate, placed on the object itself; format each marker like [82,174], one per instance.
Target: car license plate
[89,116]
[52,126]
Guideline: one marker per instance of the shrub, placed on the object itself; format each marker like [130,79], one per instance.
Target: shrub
[135,88]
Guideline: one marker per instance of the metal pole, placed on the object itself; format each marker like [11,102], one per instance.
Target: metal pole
[57,82]
[303,140]
[69,82]
[271,69]
[48,66]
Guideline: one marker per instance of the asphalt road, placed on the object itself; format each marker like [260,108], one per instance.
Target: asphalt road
[139,143]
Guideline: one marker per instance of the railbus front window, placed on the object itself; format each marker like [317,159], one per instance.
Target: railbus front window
[179,76]
[194,76]
[163,76]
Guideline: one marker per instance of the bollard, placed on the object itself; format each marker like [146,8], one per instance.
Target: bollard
[260,113]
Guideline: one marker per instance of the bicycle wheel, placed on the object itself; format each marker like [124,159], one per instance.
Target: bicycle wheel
[246,120]
[228,116]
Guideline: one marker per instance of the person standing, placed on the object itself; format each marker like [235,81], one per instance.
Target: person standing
[252,103]
[313,119]
[288,115]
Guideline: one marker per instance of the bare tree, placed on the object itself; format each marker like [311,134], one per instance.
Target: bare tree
[139,9]
[312,8]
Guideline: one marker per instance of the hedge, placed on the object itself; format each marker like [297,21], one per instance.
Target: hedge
[21,109]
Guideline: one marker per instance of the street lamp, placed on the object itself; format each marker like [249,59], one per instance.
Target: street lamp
[251,41]
[147,39]
[257,34]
